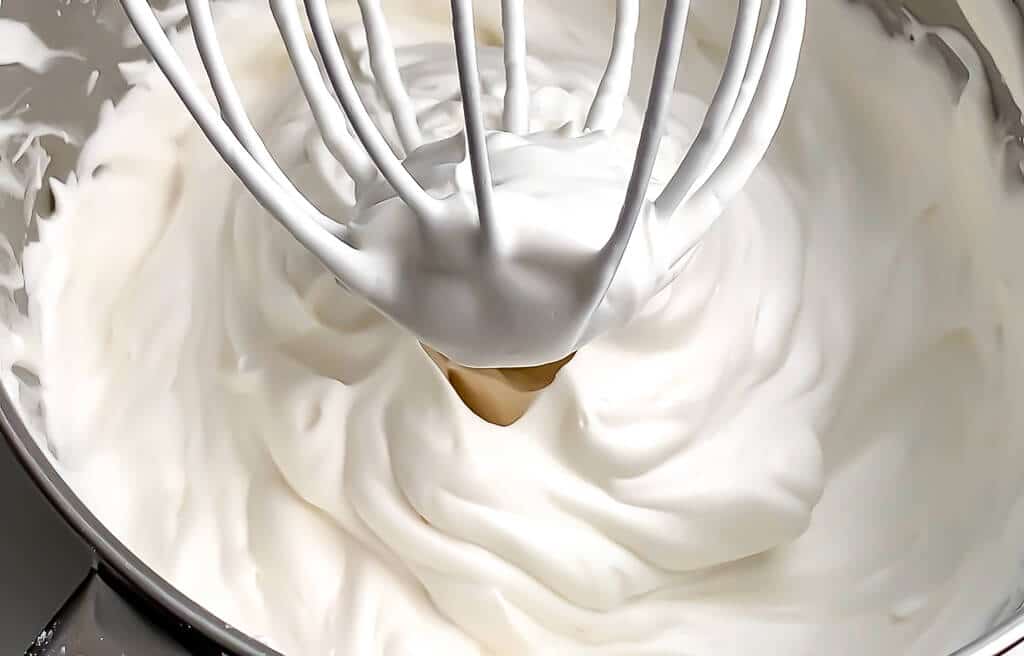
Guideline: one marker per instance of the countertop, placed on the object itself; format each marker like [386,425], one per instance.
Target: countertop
[41,560]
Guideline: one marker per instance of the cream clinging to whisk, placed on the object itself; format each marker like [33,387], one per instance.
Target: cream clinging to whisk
[448,249]
[809,438]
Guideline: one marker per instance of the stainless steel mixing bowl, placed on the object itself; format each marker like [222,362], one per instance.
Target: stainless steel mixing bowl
[123,607]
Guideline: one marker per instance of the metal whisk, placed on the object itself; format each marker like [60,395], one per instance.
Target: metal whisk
[492,318]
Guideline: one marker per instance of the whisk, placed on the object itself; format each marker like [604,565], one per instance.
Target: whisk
[482,310]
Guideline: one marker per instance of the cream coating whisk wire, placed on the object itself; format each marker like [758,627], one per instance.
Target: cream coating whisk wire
[740,123]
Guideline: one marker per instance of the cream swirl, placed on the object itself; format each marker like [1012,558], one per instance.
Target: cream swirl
[808,439]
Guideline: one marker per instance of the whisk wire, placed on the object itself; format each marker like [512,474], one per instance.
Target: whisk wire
[658,104]
[384,67]
[748,88]
[762,101]
[713,131]
[476,136]
[344,261]
[739,125]
[407,188]
[516,110]
[606,110]
[329,118]
[232,109]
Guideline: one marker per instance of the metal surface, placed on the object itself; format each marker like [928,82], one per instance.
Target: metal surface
[103,607]
[895,16]
[83,26]
[98,621]
[194,625]
[41,559]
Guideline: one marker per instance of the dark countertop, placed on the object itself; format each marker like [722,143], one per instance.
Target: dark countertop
[41,560]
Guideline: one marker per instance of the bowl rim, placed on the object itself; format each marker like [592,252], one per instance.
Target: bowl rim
[998,641]
[111,552]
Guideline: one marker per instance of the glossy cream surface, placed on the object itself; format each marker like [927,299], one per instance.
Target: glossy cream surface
[808,443]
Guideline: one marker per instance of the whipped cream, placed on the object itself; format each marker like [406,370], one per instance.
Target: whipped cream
[457,242]
[809,441]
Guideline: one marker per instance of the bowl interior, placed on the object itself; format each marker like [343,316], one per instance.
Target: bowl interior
[53,108]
